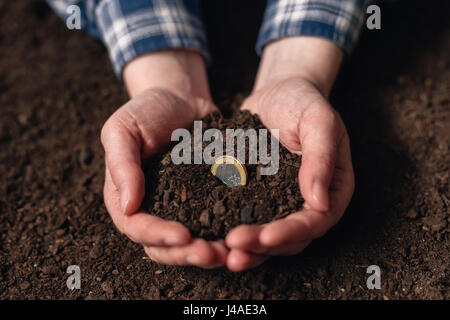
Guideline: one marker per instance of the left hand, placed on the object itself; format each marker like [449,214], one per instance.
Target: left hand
[168,90]
[308,125]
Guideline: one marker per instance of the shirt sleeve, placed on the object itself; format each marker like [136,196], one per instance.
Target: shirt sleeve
[132,28]
[337,20]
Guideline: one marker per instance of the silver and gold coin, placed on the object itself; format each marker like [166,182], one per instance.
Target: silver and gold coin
[230,171]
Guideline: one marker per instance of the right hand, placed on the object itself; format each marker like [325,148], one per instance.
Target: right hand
[138,130]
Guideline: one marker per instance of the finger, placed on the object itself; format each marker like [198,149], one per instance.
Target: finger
[221,252]
[142,227]
[150,230]
[279,237]
[245,237]
[343,182]
[197,253]
[317,223]
[288,249]
[123,159]
[284,232]
[240,260]
[319,135]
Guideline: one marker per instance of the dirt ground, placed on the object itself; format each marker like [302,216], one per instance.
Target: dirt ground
[57,88]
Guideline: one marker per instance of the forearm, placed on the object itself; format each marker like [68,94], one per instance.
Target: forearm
[314,59]
[180,71]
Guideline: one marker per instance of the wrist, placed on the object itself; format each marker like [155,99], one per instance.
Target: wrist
[314,59]
[180,71]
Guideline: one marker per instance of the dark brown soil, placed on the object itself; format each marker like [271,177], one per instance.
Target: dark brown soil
[189,193]
[57,89]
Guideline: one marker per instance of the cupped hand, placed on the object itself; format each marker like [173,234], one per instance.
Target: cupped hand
[309,126]
[138,130]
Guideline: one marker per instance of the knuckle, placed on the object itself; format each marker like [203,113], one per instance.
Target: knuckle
[149,225]
[151,254]
[326,160]
[207,257]
[333,118]
[123,227]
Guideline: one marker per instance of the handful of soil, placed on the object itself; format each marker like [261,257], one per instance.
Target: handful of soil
[192,195]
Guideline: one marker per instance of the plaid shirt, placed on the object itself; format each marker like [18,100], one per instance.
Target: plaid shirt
[130,28]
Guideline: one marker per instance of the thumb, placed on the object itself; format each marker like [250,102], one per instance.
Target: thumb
[123,159]
[319,134]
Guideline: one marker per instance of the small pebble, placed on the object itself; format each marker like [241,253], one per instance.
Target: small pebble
[60,219]
[246,214]
[260,210]
[179,287]
[24,285]
[154,294]
[219,208]
[106,286]
[157,205]
[412,214]
[182,215]
[162,187]
[49,270]
[166,198]
[166,160]
[85,155]
[96,251]
[258,173]
[204,218]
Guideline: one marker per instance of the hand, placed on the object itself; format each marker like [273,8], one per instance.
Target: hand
[293,101]
[142,128]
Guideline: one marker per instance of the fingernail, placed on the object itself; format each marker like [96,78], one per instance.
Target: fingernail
[317,190]
[124,198]
[192,259]
[172,241]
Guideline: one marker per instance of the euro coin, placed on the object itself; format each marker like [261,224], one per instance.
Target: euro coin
[230,171]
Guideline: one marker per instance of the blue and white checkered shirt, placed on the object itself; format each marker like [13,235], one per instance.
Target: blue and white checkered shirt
[130,28]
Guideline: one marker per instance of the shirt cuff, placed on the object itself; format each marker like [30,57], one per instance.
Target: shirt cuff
[336,20]
[132,28]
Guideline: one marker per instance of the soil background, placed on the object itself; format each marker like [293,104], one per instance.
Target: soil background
[57,89]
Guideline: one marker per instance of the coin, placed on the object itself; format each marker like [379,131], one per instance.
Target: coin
[230,171]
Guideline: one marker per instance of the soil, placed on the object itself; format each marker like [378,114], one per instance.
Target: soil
[57,89]
[189,193]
